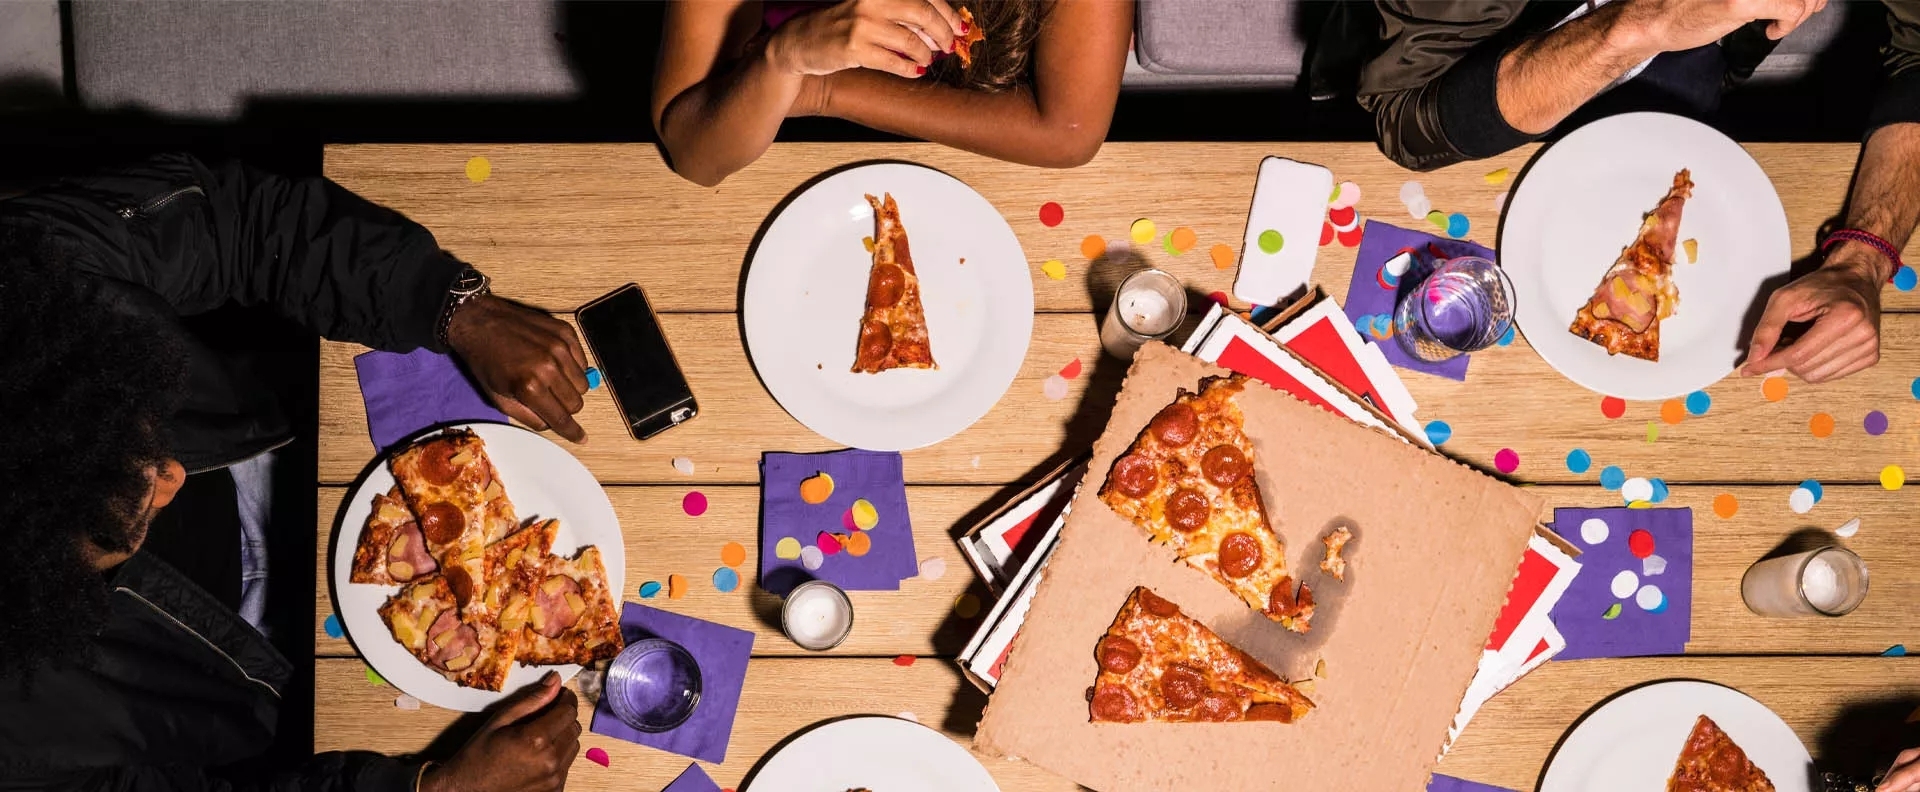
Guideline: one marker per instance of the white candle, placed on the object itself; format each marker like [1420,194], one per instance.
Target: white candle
[1146,311]
[817,615]
[1820,582]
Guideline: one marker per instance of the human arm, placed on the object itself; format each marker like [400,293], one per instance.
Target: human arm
[1905,775]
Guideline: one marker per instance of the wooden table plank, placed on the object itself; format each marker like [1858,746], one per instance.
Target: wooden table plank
[919,619]
[1506,744]
[559,225]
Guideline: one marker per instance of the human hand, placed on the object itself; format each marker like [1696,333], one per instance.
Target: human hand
[1905,775]
[527,744]
[894,36]
[1842,299]
[529,363]
[1674,25]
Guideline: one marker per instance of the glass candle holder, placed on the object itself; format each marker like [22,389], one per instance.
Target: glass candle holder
[1148,306]
[1827,581]
[817,615]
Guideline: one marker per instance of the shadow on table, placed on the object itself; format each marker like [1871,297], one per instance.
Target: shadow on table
[1863,738]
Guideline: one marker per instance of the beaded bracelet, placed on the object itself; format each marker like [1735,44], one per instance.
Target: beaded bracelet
[1869,239]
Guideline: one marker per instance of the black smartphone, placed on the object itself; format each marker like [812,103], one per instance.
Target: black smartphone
[636,362]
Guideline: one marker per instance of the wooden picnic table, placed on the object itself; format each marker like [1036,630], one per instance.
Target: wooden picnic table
[556,225]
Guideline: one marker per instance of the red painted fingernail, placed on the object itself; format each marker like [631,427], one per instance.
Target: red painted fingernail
[919,70]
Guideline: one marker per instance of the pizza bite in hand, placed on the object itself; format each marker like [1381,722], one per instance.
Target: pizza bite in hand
[1624,313]
[893,329]
[1158,665]
[1711,762]
[1188,481]
[567,613]
[970,35]
[391,549]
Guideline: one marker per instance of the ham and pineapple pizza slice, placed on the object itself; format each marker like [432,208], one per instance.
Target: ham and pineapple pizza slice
[1711,762]
[425,619]
[1624,313]
[1158,665]
[511,565]
[567,613]
[1188,481]
[970,35]
[391,549]
[893,328]
[460,503]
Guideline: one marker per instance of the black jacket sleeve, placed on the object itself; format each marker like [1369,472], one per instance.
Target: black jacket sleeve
[349,771]
[202,236]
[1431,88]
[1899,97]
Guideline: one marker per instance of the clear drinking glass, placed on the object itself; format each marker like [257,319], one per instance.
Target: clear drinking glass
[1463,305]
[1827,581]
[653,685]
[1148,305]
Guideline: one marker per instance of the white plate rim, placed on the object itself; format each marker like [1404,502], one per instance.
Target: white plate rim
[584,521]
[1671,699]
[788,766]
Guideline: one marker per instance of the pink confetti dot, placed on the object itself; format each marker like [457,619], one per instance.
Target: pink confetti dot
[846,519]
[1219,297]
[599,756]
[695,503]
[1640,542]
[1506,461]
[827,543]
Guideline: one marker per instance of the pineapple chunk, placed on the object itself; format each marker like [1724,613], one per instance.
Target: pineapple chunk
[422,594]
[494,491]
[461,457]
[445,638]
[462,662]
[514,556]
[578,605]
[538,617]
[515,616]
[400,570]
[1601,311]
[405,630]
[399,547]
[554,584]
[1620,288]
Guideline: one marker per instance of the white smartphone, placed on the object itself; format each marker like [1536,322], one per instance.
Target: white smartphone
[1283,230]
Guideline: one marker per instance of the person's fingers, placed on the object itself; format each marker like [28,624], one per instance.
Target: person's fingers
[519,412]
[1908,756]
[951,15]
[560,418]
[525,701]
[560,380]
[575,352]
[1766,334]
[1905,776]
[559,722]
[539,397]
[921,15]
[1856,350]
[903,44]
[1786,15]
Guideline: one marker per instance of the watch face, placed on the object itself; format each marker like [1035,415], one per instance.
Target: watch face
[471,281]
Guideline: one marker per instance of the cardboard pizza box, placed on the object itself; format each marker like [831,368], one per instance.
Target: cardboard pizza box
[1000,545]
[1434,552]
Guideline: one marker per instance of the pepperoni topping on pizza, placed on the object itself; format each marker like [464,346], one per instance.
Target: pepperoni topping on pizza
[1182,687]
[1176,425]
[1224,465]
[1240,555]
[886,285]
[875,340]
[438,465]
[1159,665]
[1188,510]
[1135,476]
[442,522]
[1156,604]
[1114,703]
[1119,655]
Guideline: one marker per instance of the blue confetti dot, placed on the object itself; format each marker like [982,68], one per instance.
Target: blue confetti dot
[1457,225]
[1814,487]
[593,378]
[332,626]
[1659,490]
[1506,338]
[1915,387]
[1698,402]
[1896,650]
[1612,477]
[1662,607]
[649,589]
[1578,460]
[1904,279]
[1438,432]
[725,579]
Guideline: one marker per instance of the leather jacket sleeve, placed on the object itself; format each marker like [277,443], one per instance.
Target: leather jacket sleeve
[201,236]
[1899,97]
[348,771]
[1431,87]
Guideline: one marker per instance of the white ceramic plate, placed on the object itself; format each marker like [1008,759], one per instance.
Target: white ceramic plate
[807,286]
[1581,203]
[1630,743]
[874,752]
[542,480]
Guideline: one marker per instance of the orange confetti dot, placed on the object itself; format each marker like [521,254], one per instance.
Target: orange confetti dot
[1093,246]
[858,543]
[1613,406]
[1222,257]
[1774,388]
[1184,239]
[1725,505]
[1821,424]
[817,489]
[676,586]
[1673,411]
[732,554]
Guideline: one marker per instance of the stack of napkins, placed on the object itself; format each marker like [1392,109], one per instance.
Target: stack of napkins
[858,492]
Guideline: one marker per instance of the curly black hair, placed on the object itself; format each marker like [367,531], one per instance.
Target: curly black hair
[86,390]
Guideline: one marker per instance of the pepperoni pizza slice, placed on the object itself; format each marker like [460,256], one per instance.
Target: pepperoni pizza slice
[1158,665]
[1188,481]
[970,35]
[461,505]
[1624,313]
[391,549]
[1711,762]
[425,619]
[893,329]
[568,615]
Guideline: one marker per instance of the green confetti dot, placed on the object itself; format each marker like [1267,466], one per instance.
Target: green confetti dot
[1166,243]
[1270,241]
[374,676]
[1437,218]
[1613,612]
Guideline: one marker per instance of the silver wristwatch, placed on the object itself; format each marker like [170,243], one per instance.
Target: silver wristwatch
[470,283]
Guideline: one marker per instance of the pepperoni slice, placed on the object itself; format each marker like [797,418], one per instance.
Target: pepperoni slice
[1118,654]
[1270,712]
[875,340]
[1182,687]
[1176,425]
[1114,704]
[886,286]
[1134,475]
[442,522]
[1217,707]
[1240,554]
[1188,510]
[1280,600]
[1223,465]
[461,583]
[436,463]
[1157,605]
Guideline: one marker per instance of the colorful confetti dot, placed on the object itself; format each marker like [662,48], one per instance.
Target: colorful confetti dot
[676,586]
[1220,298]
[1345,194]
[1848,529]
[1653,565]
[1653,431]
[903,661]
[967,606]
[684,465]
[1054,269]
[1660,492]
[374,676]
[1578,460]
[1506,338]
[593,378]
[1725,505]
[1649,597]
[725,579]
[1613,612]
[1800,501]
[1636,489]
[846,520]
[1639,504]
[1892,477]
[1495,177]
[733,554]
[816,489]
[1698,403]
[1183,239]
[1904,278]
[1343,219]
[1506,460]
[1166,243]
[1625,583]
[1594,530]
[599,756]
[1437,218]
[1054,387]
[1640,543]
[1612,477]
[1223,259]
[1821,425]
[1915,388]
[695,503]
[787,549]
[867,242]
[1613,406]
[827,543]
[332,626]
[811,558]
[1271,241]
[1093,246]
[1051,214]
[1814,487]
[1775,388]
[933,569]
[1673,411]
[1439,432]
[858,544]
[1500,202]
[479,169]
[1071,370]
[406,702]
[1351,237]
[1458,225]
[908,716]
[865,516]
[1896,650]
[1142,231]
[1876,423]
[649,589]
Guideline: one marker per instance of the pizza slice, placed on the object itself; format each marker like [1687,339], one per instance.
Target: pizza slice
[512,565]
[567,614]
[391,549]
[971,34]
[1625,311]
[424,618]
[1188,481]
[893,329]
[460,503]
[1158,665]
[1711,762]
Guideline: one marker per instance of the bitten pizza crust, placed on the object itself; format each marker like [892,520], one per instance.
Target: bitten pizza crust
[567,613]
[391,549]
[1188,481]
[970,35]
[1158,665]
[1625,311]
[893,328]
[462,507]
[1711,762]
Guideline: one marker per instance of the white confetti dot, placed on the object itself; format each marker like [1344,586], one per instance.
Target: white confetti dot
[1410,191]
[1594,531]
[1653,565]
[908,716]
[1637,489]
[684,465]
[811,557]
[933,569]
[1055,388]
[1624,583]
[1848,529]
[1419,207]
[1801,501]
[406,702]
[1649,597]
[1398,265]
[1500,203]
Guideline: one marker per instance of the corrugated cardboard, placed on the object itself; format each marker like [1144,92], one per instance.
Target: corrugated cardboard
[1433,556]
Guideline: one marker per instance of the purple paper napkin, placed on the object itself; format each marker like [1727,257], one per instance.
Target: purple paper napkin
[720,651]
[874,476]
[410,392]
[1447,783]
[693,780]
[1370,299]
[1656,607]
